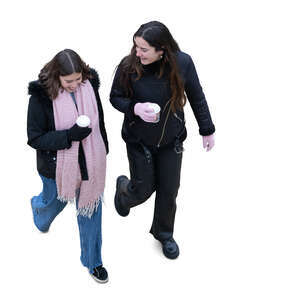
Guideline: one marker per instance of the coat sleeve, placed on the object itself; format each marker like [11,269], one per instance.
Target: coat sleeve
[197,100]
[39,135]
[119,100]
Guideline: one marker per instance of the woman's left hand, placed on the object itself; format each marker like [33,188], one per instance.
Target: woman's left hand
[208,141]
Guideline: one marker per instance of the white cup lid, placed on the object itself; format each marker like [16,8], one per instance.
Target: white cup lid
[83,121]
[155,107]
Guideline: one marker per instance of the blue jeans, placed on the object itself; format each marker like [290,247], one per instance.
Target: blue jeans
[46,207]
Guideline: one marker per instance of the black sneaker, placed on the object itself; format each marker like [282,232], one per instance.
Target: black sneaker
[170,248]
[100,274]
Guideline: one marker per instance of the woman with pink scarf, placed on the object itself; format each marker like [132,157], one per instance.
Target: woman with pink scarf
[71,156]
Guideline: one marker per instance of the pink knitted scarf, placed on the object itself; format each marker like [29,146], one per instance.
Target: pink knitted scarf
[68,177]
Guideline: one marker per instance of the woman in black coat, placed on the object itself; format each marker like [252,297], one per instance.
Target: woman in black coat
[157,72]
[67,88]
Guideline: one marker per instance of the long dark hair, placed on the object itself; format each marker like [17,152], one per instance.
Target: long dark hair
[65,62]
[158,36]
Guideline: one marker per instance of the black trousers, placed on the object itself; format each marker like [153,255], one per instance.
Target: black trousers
[155,169]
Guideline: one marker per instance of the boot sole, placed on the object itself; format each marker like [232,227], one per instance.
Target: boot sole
[171,256]
[117,195]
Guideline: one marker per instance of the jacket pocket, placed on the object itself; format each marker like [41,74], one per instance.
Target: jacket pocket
[46,163]
[50,157]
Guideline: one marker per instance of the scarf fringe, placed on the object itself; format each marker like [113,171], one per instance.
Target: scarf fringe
[65,199]
[86,211]
[89,210]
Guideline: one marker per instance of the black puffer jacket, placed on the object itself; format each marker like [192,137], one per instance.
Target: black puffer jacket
[41,132]
[150,88]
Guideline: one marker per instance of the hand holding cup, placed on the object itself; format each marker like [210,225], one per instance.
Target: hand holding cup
[80,129]
[148,112]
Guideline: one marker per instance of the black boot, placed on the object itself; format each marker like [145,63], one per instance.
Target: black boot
[121,192]
[170,248]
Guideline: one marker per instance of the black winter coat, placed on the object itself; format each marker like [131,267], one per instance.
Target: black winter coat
[150,88]
[41,132]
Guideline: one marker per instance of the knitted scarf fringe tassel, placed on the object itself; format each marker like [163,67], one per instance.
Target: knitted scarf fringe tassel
[86,211]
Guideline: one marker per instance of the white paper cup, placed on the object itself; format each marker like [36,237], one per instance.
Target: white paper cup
[83,121]
[156,109]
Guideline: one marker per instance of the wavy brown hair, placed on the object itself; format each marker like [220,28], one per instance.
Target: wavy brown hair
[65,62]
[158,36]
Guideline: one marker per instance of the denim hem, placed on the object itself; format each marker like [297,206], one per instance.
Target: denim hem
[91,268]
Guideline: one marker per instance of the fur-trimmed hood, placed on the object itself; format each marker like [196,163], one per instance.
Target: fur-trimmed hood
[36,89]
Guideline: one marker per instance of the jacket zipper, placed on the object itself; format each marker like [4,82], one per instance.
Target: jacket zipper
[164,127]
[176,116]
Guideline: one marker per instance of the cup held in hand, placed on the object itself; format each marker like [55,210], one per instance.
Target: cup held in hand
[83,121]
[156,109]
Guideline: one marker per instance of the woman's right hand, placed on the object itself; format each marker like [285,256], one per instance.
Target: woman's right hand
[77,133]
[145,112]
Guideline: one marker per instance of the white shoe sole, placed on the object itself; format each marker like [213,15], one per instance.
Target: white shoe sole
[98,280]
